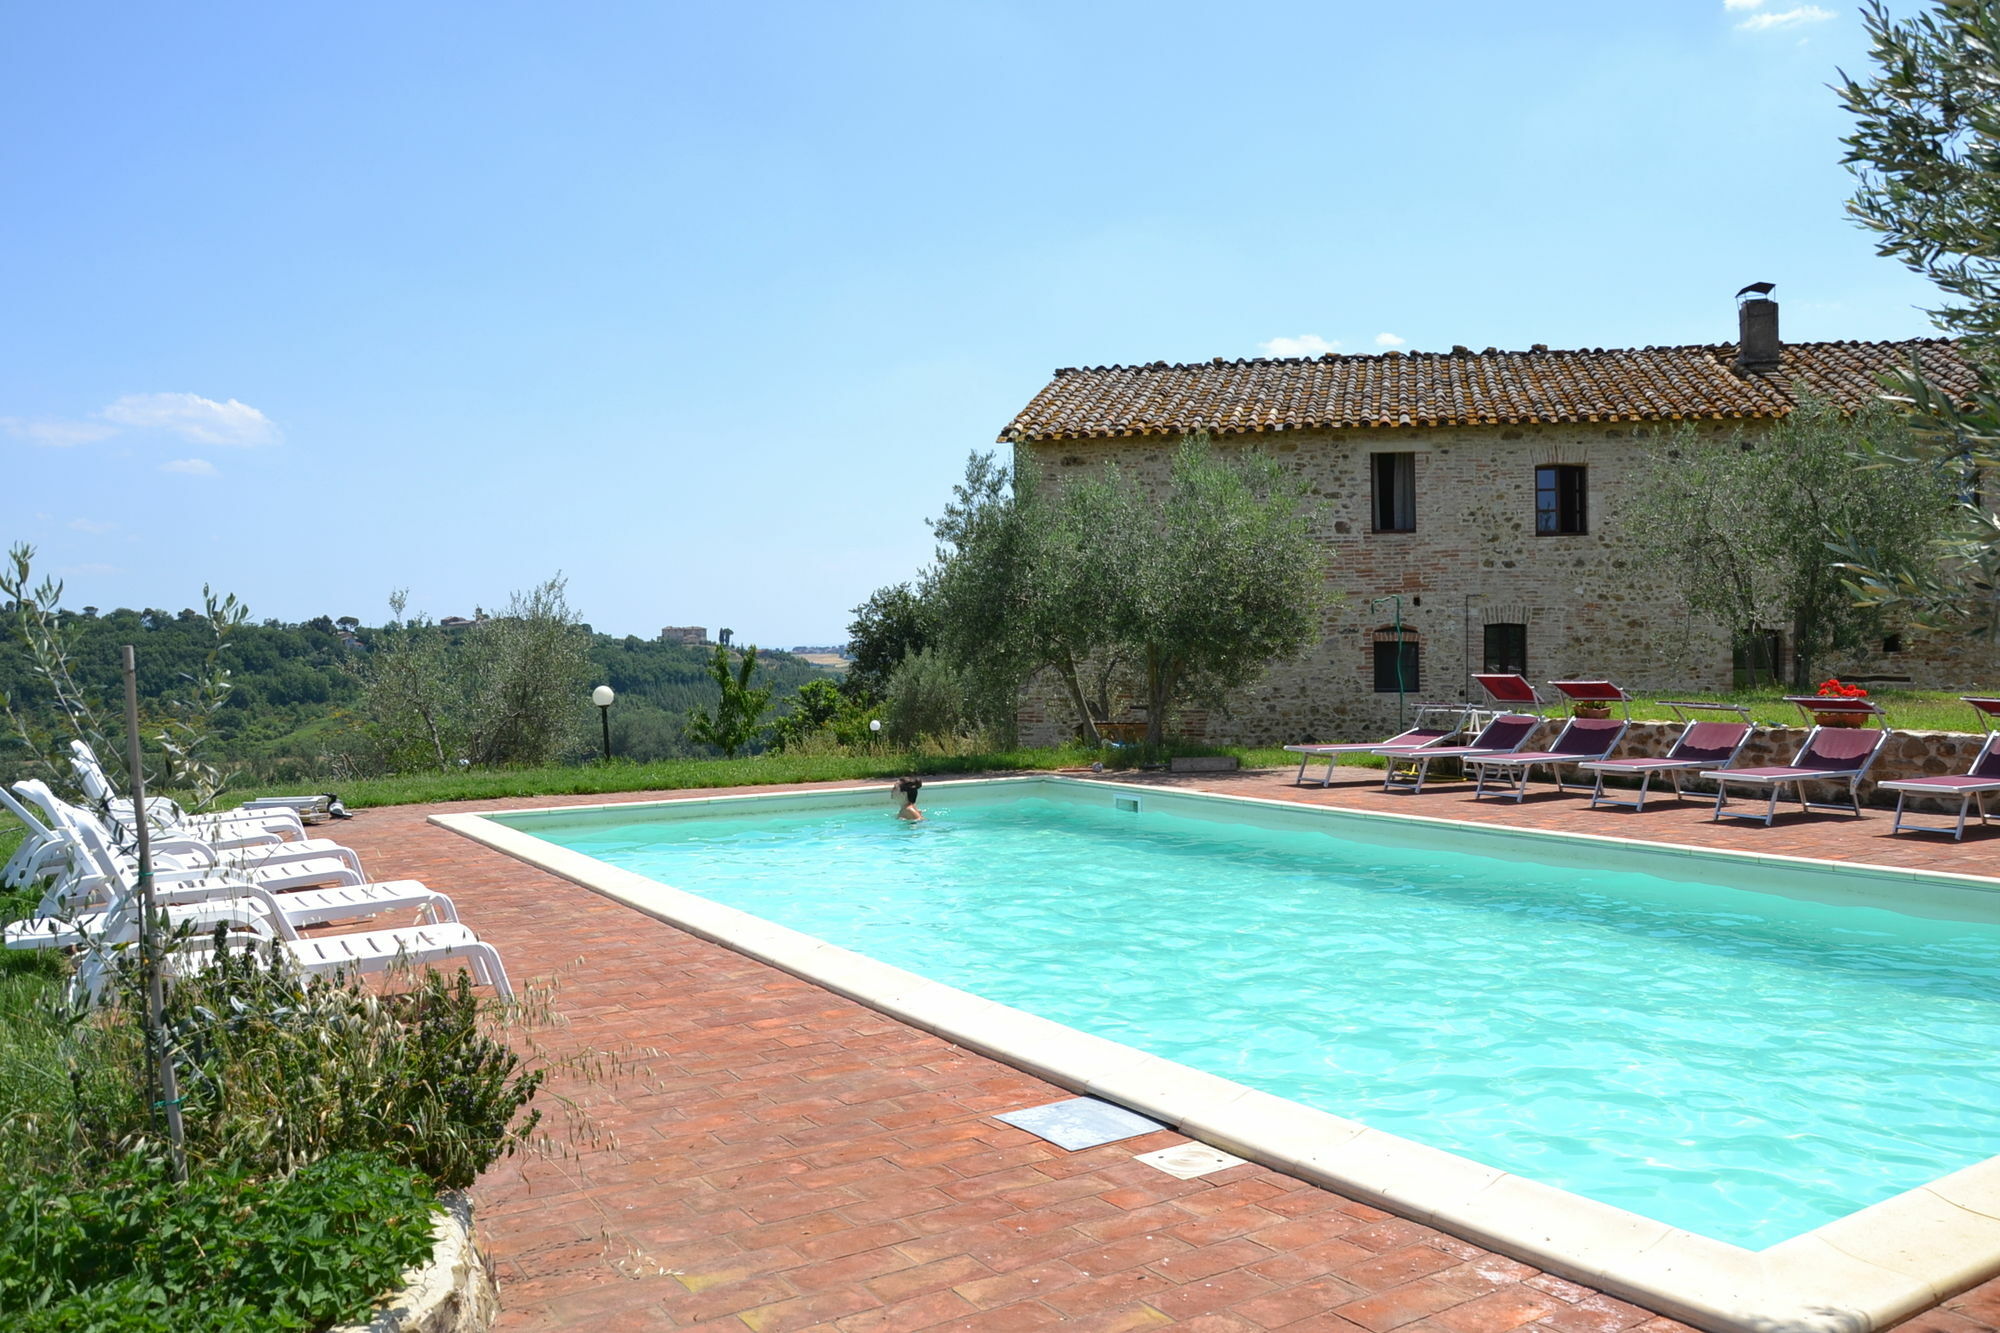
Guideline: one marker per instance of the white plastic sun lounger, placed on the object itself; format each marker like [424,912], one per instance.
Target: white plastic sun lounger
[75,908]
[228,828]
[361,952]
[309,861]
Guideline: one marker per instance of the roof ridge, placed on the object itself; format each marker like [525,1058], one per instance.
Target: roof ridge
[1537,350]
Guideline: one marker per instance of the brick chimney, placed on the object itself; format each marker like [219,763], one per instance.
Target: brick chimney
[1757,345]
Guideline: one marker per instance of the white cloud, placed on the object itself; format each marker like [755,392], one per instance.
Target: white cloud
[90,525]
[1306,344]
[1785,18]
[56,434]
[1389,340]
[192,467]
[1742,4]
[193,417]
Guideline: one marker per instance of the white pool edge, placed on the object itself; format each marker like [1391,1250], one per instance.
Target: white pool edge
[1863,1271]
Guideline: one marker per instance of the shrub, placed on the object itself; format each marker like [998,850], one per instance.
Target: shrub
[283,1070]
[224,1253]
[927,698]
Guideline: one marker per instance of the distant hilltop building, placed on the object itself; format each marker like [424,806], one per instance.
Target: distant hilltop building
[695,635]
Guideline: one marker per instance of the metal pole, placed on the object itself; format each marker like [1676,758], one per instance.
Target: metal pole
[1397,598]
[604,716]
[149,961]
[1465,685]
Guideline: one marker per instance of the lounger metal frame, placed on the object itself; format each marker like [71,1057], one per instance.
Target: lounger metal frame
[1675,769]
[1524,764]
[1797,781]
[1969,798]
[1424,757]
[1331,753]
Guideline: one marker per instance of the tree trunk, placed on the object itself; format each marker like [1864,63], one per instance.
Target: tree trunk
[1159,696]
[1066,668]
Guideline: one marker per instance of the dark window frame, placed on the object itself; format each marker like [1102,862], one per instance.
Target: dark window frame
[1512,655]
[1389,472]
[1562,500]
[1385,662]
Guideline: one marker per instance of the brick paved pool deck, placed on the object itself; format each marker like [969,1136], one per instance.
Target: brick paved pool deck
[781,1158]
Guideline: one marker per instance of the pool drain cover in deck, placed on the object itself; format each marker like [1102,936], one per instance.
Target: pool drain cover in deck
[1081,1122]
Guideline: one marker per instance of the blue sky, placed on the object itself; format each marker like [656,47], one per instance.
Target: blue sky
[704,305]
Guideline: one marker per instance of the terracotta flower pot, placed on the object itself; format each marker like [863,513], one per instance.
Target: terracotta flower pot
[1592,710]
[1840,719]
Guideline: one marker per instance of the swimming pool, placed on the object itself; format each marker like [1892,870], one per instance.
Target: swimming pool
[1738,1048]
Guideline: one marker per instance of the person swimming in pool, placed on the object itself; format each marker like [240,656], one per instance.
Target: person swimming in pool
[908,789]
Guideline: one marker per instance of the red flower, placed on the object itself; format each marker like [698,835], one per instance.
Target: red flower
[1833,689]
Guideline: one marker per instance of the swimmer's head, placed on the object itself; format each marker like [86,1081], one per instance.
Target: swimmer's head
[908,789]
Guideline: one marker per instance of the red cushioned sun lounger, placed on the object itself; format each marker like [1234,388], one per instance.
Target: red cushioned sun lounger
[1701,745]
[1837,755]
[1594,692]
[1510,691]
[1971,787]
[1581,739]
[1436,724]
[1503,735]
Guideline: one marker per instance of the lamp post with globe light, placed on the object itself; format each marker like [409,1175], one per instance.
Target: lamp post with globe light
[602,697]
[874,731]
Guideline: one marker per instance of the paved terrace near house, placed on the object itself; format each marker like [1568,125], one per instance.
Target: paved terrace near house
[784,1158]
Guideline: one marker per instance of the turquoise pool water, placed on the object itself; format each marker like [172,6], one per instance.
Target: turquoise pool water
[1744,1065]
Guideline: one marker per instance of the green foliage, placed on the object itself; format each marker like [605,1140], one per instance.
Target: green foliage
[1195,592]
[1225,575]
[738,715]
[893,623]
[1926,146]
[509,690]
[1952,583]
[1748,523]
[277,702]
[282,1069]
[815,710]
[927,699]
[225,1253]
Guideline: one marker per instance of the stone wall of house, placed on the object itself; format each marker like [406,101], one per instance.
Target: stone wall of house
[1595,604]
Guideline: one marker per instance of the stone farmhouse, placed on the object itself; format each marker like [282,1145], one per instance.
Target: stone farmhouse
[1492,492]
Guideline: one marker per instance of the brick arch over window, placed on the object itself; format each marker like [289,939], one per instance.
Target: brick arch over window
[1388,651]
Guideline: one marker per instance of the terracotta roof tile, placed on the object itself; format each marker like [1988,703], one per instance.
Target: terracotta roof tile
[1464,388]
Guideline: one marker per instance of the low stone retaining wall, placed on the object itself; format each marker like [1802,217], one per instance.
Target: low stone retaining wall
[1908,754]
[453,1293]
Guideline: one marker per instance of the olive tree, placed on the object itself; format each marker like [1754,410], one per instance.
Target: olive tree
[1194,592]
[1223,576]
[1752,522]
[1926,147]
[508,691]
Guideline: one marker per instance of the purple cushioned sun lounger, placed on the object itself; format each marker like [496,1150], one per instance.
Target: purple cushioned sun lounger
[1971,788]
[1503,735]
[1581,738]
[1830,754]
[1701,745]
[1436,724]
